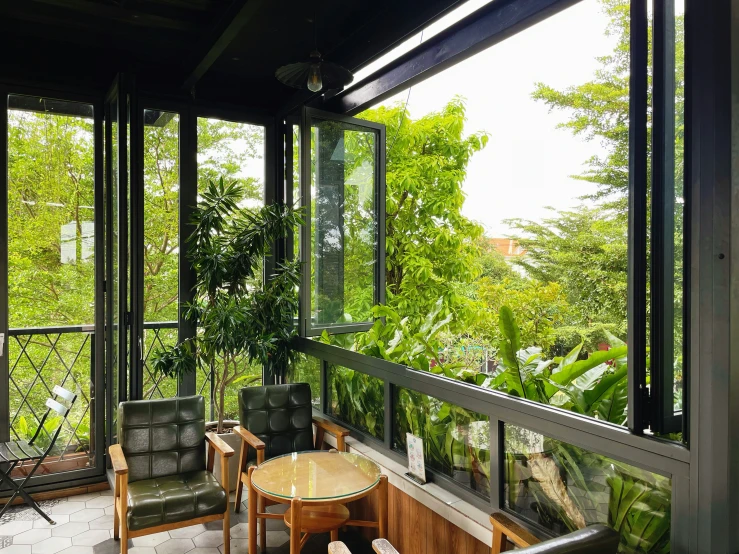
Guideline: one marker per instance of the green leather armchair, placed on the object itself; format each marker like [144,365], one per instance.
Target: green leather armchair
[276,420]
[162,478]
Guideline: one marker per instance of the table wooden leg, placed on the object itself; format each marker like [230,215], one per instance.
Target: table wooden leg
[383,507]
[334,535]
[262,525]
[296,508]
[252,515]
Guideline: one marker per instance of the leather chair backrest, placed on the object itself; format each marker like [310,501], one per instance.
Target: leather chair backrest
[595,539]
[162,437]
[280,415]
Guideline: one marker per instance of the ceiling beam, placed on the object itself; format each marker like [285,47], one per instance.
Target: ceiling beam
[481,29]
[238,14]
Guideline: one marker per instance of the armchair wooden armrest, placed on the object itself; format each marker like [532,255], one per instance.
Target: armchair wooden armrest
[250,439]
[219,444]
[325,426]
[118,460]
[505,530]
[338,547]
[381,546]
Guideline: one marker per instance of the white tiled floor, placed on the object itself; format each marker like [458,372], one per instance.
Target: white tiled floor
[84,525]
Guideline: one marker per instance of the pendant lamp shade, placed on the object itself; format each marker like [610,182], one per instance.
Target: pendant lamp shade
[314,74]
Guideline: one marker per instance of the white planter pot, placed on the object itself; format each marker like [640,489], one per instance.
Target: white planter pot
[234,441]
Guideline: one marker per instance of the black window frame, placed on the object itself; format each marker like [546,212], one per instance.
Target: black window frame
[308,115]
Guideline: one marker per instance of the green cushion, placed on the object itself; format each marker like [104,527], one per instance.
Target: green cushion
[280,415]
[174,498]
[162,437]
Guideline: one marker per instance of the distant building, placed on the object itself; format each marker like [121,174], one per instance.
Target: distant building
[508,248]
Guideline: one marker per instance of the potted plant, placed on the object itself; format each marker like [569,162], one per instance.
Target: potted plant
[241,318]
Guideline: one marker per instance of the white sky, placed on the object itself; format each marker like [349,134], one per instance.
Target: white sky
[527,163]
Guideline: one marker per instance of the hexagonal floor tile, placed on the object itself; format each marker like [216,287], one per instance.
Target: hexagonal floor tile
[240,531]
[15,528]
[209,538]
[51,545]
[67,507]
[60,519]
[277,538]
[32,536]
[187,532]
[86,515]
[17,549]
[78,550]
[69,529]
[105,522]
[175,546]
[91,538]
[142,550]
[84,497]
[100,502]
[151,540]
[114,547]
[238,546]
[204,551]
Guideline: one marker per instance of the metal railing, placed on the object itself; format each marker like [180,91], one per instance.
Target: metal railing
[494,409]
[158,335]
[41,357]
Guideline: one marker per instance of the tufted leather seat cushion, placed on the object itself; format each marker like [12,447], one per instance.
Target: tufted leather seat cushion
[280,415]
[174,498]
[162,437]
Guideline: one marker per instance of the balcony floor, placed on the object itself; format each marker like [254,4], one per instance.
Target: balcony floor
[85,526]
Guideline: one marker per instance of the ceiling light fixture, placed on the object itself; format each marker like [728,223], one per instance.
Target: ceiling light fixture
[316,74]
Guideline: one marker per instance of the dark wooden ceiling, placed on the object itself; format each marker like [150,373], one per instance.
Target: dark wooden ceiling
[227,50]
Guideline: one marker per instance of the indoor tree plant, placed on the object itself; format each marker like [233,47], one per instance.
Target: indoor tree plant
[241,318]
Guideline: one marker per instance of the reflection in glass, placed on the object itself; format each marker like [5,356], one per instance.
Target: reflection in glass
[343,223]
[456,441]
[358,399]
[564,488]
[307,369]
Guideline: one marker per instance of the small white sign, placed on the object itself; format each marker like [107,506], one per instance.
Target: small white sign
[416,465]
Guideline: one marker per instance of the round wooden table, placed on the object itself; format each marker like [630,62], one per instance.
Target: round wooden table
[317,485]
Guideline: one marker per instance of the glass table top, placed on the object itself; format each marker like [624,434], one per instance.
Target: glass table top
[316,475]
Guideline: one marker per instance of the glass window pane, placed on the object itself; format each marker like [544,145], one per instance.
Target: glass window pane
[233,151]
[343,223]
[456,441]
[679,199]
[161,242]
[51,270]
[307,369]
[564,488]
[357,399]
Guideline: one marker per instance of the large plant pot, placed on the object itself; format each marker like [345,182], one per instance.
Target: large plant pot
[234,441]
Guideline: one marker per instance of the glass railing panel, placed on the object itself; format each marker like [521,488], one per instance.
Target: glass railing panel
[456,441]
[357,399]
[562,488]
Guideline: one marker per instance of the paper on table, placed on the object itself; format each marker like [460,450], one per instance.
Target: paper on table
[416,466]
